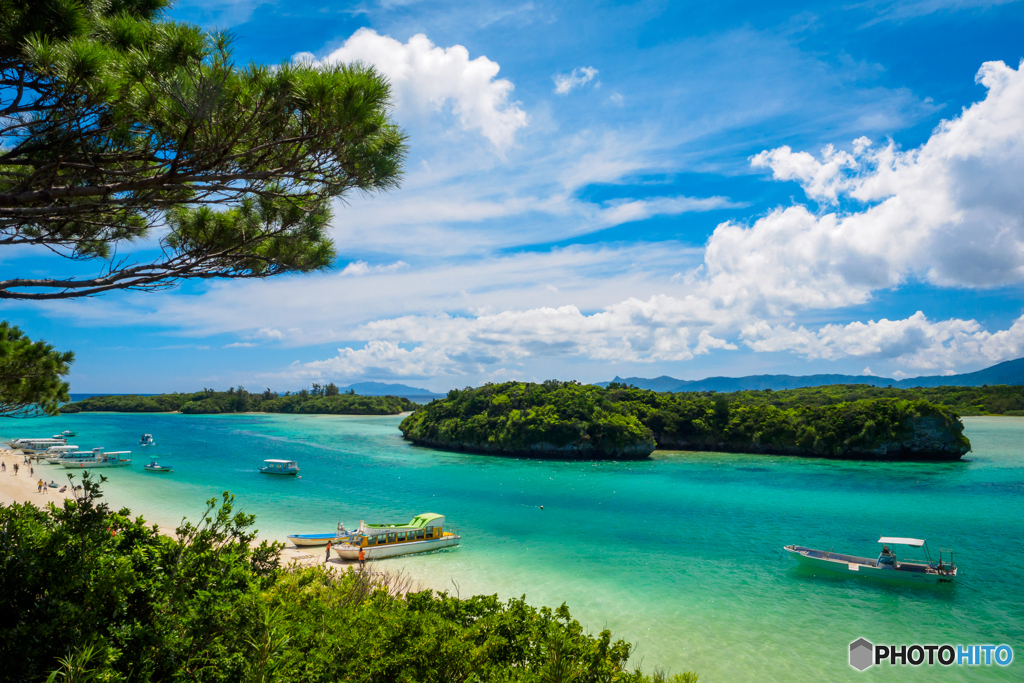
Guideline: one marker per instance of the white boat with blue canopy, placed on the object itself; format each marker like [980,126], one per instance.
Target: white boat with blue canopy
[886,566]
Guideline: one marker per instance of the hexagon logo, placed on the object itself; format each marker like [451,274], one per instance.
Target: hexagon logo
[862,654]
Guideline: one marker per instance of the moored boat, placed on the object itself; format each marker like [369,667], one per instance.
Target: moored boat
[280,467]
[309,540]
[55,454]
[157,468]
[422,534]
[99,458]
[33,446]
[147,440]
[67,433]
[885,566]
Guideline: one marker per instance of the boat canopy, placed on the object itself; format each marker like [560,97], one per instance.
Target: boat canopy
[281,462]
[913,542]
[418,522]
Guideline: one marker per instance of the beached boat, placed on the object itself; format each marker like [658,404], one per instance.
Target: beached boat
[55,453]
[340,535]
[157,468]
[100,458]
[32,446]
[886,566]
[280,467]
[422,534]
[147,440]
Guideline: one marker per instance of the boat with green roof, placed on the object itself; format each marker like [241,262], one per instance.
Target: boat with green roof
[424,533]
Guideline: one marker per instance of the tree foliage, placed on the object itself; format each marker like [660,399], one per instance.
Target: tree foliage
[553,419]
[999,399]
[116,121]
[30,374]
[566,419]
[87,593]
[209,402]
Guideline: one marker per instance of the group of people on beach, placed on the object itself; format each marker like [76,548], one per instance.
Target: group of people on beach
[362,555]
[42,486]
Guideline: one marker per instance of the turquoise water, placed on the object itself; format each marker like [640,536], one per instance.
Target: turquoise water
[679,555]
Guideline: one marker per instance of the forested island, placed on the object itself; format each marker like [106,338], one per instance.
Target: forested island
[319,400]
[574,421]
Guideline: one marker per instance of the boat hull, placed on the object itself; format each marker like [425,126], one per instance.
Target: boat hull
[93,465]
[158,470]
[311,540]
[379,552]
[280,474]
[859,567]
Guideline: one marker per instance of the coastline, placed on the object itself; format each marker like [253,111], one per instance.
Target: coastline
[22,488]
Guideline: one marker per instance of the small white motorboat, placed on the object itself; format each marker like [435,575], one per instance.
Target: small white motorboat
[280,467]
[422,534]
[886,566]
[147,440]
[309,540]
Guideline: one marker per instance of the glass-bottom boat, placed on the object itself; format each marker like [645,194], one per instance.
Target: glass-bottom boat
[280,467]
[97,458]
[886,566]
[422,534]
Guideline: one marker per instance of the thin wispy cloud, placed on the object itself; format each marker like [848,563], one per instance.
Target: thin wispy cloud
[565,83]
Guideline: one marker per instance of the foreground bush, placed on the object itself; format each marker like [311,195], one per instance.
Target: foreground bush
[91,594]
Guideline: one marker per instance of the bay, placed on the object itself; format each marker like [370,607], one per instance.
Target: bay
[680,555]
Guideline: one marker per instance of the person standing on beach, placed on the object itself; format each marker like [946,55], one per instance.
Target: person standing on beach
[328,552]
[362,558]
[15,469]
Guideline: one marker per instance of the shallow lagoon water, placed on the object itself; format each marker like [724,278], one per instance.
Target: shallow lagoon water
[680,555]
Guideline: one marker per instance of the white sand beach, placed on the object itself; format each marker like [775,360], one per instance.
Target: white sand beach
[23,487]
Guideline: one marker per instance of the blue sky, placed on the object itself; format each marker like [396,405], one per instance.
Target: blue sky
[599,189]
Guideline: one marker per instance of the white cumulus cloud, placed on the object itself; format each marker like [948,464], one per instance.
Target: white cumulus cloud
[427,77]
[950,212]
[916,342]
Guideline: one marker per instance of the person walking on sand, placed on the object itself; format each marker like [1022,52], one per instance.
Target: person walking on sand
[362,558]
[39,486]
[326,559]
[15,469]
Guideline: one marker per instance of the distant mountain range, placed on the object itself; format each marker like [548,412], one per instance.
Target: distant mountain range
[384,389]
[1008,372]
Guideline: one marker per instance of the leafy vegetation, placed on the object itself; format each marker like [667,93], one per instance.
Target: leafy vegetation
[31,374]
[321,400]
[566,419]
[984,400]
[117,120]
[553,419]
[91,594]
